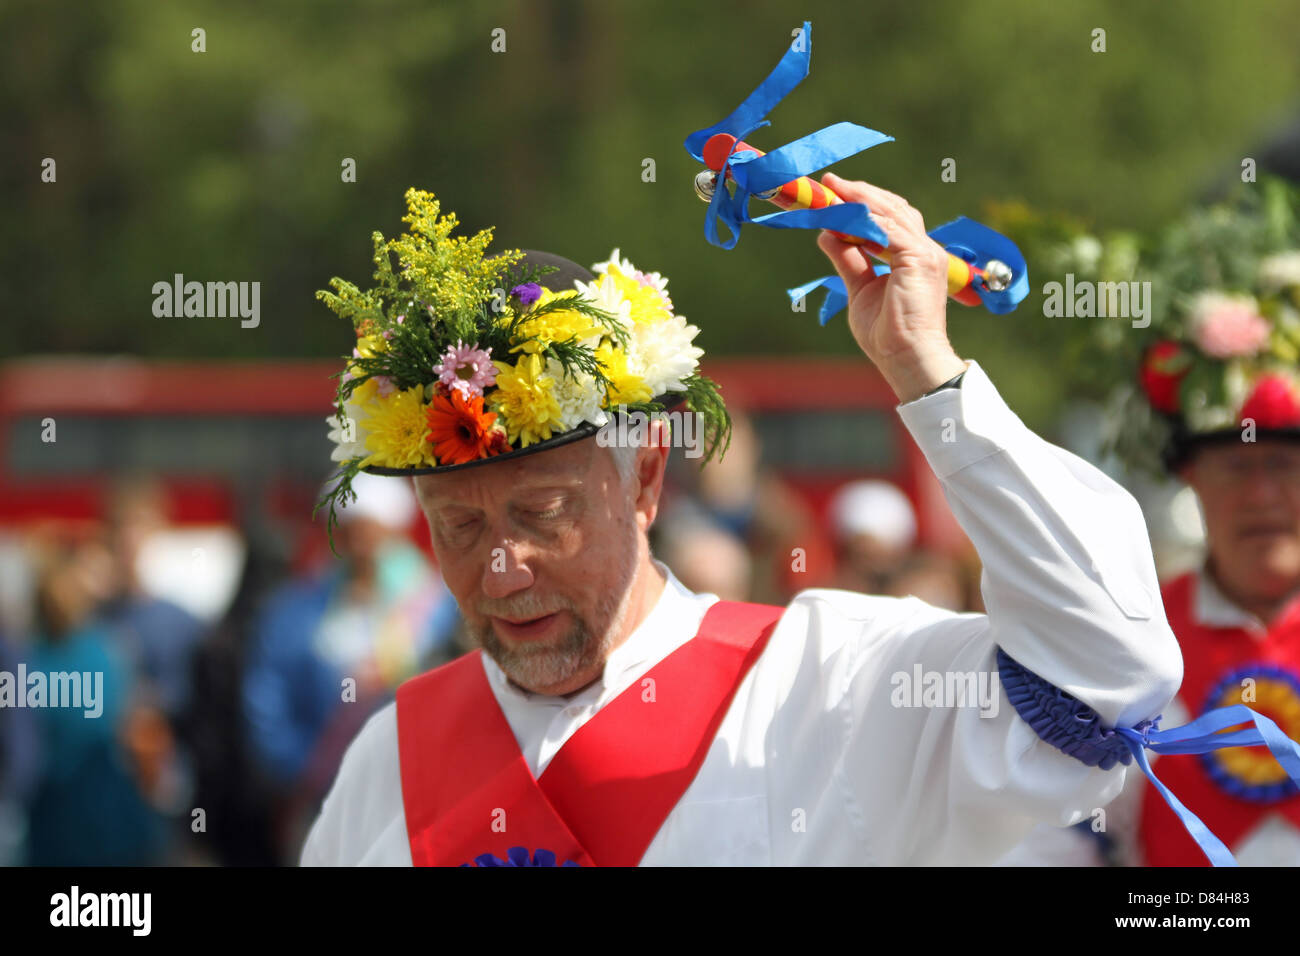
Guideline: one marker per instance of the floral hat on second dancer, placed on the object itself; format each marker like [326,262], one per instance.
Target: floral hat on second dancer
[1219,360]
[462,359]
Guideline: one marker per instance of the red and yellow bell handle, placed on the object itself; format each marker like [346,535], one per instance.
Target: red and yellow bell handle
[807,193]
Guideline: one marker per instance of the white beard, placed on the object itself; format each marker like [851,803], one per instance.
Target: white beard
[577,650]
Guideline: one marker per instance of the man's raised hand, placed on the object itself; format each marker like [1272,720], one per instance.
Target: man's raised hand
[900,319]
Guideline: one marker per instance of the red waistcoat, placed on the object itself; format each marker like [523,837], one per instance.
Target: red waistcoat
[1231,790]
[467,790]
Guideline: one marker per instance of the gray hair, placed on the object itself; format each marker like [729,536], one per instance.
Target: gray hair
[624,460]
[625,454]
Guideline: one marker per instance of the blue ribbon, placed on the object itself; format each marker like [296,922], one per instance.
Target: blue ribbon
[836,296]
[1074,728]
[977,244]
[1202,736]
[752,173]
[964,238]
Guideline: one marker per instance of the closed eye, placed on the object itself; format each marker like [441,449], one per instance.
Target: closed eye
[459,528]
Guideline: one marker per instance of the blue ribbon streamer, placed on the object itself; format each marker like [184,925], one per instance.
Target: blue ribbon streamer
[977,244]
[836,296]
[751,173]
[1203,736]
[748,116]
[1074,728]
[964,238]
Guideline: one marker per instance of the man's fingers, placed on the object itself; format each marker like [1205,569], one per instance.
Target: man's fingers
[888,209]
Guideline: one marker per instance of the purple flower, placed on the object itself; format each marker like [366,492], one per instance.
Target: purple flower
[528,293]
[518,856]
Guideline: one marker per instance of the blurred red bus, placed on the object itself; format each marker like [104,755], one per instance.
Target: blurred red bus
[246,441]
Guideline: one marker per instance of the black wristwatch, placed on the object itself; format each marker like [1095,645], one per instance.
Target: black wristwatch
[954,382]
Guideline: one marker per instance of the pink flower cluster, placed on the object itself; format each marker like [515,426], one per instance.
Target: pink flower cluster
[467,369]
[1225,326]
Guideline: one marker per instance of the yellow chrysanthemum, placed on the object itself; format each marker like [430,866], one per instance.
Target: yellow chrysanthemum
[368,346]
[364,392]
[525,399]
[625,386]
[556,326]
[647,302]
[396,431]
[371,345]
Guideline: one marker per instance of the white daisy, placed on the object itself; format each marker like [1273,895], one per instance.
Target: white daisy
[662,353]
[624,266]
[604,294]
[578,396]
[347,434]
[653,279]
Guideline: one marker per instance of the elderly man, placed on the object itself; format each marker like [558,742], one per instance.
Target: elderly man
[1218,406]
[1237,619]
[615,718]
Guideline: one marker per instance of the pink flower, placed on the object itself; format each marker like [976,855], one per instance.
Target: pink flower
[467,368]
[384,385]
[1228,326]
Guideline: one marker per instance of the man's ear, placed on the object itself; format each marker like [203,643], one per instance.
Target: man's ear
[651,463]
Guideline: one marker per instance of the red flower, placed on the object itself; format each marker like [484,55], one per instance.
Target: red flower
[459,428]
[1273,403]
[1161,373]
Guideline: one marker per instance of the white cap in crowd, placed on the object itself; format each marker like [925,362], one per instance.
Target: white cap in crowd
[875,508]
[390,501]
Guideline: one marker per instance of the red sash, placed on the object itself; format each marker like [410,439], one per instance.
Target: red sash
[1211,654]
[467,789]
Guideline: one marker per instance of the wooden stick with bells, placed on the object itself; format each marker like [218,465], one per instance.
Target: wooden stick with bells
[807,193]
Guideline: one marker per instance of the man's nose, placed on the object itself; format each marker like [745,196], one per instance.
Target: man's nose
[507,570]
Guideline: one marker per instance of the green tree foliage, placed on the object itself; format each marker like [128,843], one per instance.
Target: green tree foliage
[226,164]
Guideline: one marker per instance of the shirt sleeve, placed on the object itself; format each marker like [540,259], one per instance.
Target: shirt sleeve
[1070,589]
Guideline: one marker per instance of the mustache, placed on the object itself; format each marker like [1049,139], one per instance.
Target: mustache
[524,606]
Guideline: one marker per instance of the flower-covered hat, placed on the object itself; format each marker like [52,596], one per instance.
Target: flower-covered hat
[1219,360]
[463,359]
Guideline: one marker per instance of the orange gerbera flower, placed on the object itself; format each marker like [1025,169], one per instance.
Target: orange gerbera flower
[459,428]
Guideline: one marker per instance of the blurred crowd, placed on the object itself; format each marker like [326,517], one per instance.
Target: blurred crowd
[222,729]
[218,737]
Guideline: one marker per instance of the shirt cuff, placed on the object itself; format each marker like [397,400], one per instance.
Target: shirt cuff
[956,427]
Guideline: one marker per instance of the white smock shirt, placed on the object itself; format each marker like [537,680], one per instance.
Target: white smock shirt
[829,753]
